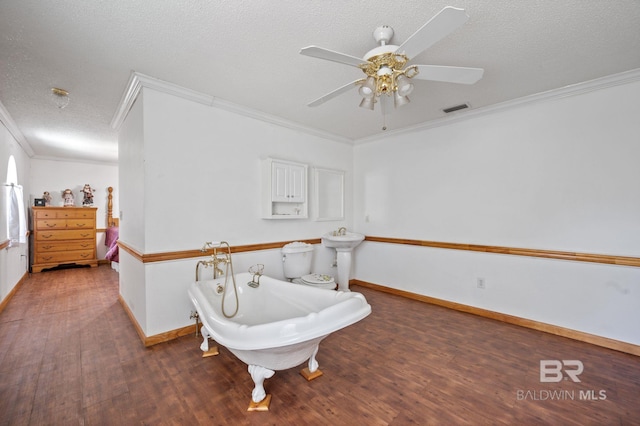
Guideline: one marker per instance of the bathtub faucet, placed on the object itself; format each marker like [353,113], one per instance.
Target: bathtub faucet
[222,257]
[255,281]
[256,270]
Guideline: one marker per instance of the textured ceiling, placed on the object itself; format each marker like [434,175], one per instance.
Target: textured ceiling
[247,53]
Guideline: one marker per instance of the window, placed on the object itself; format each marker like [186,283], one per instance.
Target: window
[12,171]
[16,221]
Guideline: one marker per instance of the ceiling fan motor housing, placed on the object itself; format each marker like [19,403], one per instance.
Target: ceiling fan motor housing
[383,34]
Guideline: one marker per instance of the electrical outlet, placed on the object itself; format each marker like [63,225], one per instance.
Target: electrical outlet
[480,283]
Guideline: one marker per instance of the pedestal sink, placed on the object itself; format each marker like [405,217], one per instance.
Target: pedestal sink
[344,245]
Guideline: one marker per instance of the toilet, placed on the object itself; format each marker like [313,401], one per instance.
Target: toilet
[296,261]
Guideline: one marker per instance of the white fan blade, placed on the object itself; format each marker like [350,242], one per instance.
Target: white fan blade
[331,95]
[444,23]
[462,75]
[330,55]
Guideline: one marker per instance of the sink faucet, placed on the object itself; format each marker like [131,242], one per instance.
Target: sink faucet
[342,231]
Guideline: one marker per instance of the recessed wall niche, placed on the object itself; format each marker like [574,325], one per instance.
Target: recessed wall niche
[329,194]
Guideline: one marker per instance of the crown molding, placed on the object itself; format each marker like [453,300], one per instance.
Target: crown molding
[272,119]
[137,81]
[76,160]
[12,127]
[563,92]
[126,101]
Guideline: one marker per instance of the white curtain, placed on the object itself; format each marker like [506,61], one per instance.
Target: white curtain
[17,224]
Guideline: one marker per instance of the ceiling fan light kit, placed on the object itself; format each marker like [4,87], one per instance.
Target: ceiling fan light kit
[404,86]
[384,65]
[368,103]
[399,100]
[384,70]
[368,88]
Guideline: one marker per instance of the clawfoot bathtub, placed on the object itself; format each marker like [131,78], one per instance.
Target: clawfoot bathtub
[278,325]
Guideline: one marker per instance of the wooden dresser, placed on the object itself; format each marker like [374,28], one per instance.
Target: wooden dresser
[63,235]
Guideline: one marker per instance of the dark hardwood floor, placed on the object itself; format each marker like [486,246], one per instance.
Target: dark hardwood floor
[69,355]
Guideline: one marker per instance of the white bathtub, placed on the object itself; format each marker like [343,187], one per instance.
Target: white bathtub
[279,325]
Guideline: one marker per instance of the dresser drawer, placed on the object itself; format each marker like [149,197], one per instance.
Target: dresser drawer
[64,213]
[64,256]
[66,235]
[80,223]
[51,246]
[44,224]
[78,214]
[45,213]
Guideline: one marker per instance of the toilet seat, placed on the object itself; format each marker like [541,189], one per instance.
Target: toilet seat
[318,281]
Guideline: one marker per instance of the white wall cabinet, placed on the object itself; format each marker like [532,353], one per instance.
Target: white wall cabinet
[288,182]
[284,189]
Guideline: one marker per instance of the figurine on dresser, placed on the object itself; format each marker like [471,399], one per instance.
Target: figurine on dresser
[47,198]
[67,196]
[87,192]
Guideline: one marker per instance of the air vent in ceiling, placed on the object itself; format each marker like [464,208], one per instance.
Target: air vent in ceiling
[455,108]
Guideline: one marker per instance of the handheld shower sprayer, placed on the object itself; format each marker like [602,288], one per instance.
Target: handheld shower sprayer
[213,245]
[220,254]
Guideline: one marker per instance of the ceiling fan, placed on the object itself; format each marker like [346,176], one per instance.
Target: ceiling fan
[384,66]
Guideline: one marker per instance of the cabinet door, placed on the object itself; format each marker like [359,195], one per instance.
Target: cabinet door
[297,184]
[280,182]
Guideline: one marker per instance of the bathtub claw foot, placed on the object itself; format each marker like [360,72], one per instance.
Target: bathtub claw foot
[311,371]
[259,374]
[309,375]
[204,347]
[213,351]
[260,406]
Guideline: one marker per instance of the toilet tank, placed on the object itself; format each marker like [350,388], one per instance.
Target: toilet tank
[296,259]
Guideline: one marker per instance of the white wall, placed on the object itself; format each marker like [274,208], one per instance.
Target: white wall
[193,175]
[560,174]
[14,260]
[202,166]
[131,170]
